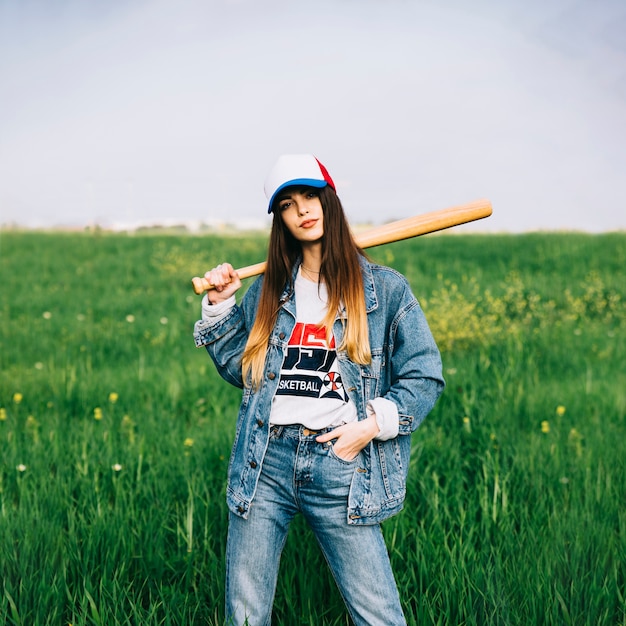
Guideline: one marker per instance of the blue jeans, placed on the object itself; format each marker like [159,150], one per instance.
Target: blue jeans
[301,475]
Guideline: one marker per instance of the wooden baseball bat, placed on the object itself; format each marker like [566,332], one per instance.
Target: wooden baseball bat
[388,233]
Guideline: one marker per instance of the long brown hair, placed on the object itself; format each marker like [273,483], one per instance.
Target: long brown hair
[341,272]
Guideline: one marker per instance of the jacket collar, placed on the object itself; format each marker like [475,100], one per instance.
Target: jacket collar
[371,301]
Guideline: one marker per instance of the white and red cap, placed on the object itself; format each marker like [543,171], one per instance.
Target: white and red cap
[295,169]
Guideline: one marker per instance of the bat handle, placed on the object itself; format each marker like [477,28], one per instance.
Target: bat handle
[200,285]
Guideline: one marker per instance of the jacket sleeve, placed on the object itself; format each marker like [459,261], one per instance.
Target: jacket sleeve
[415,369]
[225,338]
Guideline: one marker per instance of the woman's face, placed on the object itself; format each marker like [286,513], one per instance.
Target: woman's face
[302,214]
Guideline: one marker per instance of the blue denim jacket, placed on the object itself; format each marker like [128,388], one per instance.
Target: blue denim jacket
[405,368]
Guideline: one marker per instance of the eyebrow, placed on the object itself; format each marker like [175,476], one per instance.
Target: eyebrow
[279,201]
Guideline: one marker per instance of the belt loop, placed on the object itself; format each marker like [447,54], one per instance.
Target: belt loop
[276,431]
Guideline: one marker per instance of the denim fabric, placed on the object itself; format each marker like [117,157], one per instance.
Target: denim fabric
[303,476]
[405,368]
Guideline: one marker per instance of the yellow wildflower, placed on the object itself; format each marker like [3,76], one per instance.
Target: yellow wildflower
[113,397]
[17,397]
[3,414]
[576,442]
[21,467]
[560,410]
[116,467]
[188,442]
[545,426]
[97,413]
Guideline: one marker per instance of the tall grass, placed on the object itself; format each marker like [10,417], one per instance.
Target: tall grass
[115,434]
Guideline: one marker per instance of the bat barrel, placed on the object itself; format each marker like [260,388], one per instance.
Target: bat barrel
[424,224]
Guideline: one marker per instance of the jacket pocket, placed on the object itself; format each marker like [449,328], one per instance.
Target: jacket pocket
[392,468]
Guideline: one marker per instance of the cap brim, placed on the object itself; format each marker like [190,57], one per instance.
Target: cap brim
[298,182]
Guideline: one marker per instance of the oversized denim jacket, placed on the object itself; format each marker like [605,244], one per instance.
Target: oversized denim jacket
[405,368]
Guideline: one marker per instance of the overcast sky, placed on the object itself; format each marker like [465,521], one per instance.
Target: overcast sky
[131,111]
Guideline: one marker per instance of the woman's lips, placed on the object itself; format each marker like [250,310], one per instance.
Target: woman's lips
[308,223]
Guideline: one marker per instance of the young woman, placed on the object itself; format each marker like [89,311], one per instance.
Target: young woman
[338,367]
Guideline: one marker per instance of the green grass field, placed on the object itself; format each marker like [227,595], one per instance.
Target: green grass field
[115,433]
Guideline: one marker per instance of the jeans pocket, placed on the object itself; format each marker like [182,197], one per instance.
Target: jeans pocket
[334,455]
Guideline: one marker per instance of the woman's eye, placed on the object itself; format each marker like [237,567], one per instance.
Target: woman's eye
[311,194]
[284,205]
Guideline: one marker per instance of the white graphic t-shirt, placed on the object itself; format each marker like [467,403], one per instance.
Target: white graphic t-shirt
[310,390]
